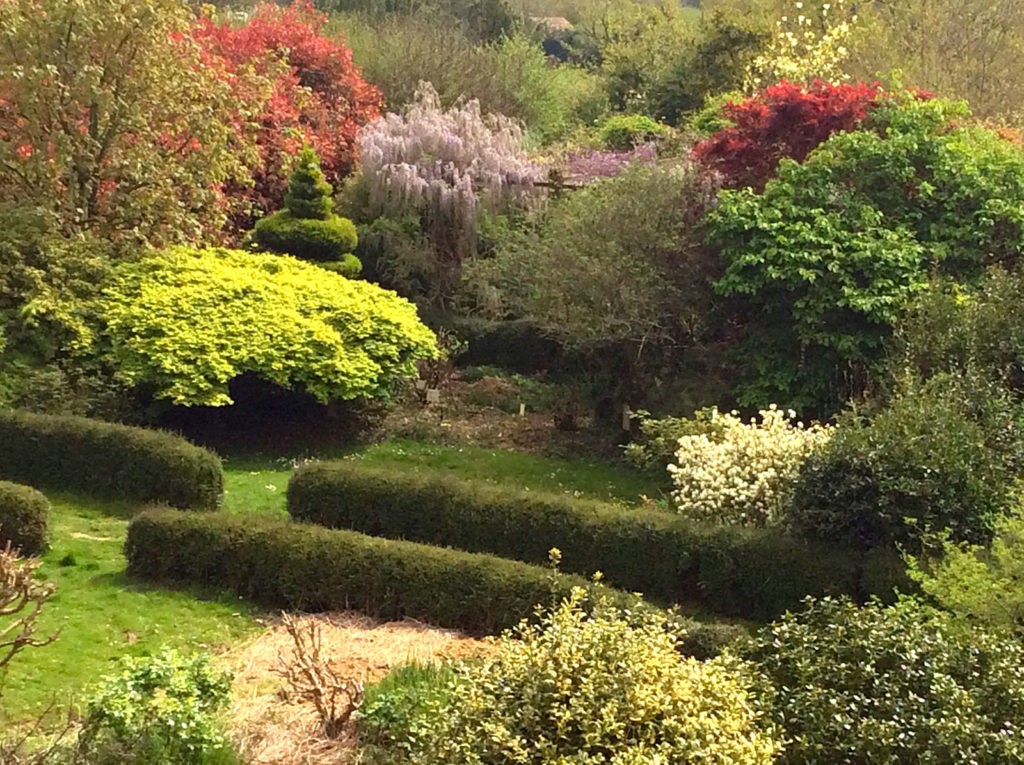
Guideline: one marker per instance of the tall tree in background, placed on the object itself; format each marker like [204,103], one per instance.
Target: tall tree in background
[113,121]
[319,95]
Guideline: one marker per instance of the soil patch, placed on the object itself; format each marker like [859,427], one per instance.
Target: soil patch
[271,729]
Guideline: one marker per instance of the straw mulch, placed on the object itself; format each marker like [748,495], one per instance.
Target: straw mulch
[271,729]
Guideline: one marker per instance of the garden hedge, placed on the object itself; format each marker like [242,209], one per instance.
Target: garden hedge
[24,518]
[108,460]
[306,567]
[750,573]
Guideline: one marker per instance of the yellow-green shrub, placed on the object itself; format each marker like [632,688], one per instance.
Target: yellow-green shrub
[587,686]
[742,473]
[187,322]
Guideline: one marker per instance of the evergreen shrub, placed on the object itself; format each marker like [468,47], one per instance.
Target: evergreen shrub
[747,572]
[24,517]
[890,685]
[107,460]
[310,568]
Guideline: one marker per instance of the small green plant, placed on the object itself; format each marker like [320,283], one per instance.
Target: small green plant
[984,585]
[397,710]
[159,708]
[891,685]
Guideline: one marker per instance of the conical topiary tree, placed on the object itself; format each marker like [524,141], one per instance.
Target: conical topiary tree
[309,194]
[307,227]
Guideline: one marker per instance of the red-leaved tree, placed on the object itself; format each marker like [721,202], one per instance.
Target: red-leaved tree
[319,96]
[783,121]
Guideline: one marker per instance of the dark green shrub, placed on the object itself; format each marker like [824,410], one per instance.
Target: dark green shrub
[24,517]
[349,266]
[518,346]
[955,329]
[921,465]
[157,709]
[107,460]
[310,568]
[754,573]
[890,685]
[624,131]
[306,238]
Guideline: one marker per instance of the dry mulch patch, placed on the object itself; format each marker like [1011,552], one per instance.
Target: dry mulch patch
[270,728]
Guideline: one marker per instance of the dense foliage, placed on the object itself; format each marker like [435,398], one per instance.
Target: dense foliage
[615,271]
[982,585]
[158,708]
[187,322]
[783,121]
[318,96]
[935,458]
[589,686]
[24,519]
[742,473]
[113,119]
[821,263]
[890,685]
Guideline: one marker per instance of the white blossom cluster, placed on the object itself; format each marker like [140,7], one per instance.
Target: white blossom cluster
[743,473]
[807,45]
[445,163]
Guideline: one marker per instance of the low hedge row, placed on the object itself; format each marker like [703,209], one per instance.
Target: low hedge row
[108,460]
[24,518]
[301,566]
[750,573]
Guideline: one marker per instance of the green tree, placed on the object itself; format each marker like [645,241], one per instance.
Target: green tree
[309,194]
[111,118]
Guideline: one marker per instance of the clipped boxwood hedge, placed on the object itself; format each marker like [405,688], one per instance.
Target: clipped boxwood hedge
[108,460]
[24,518]
[750,573]
[301,566]
[306,567]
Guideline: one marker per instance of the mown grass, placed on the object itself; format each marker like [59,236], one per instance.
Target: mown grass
[259,486]
[101,614]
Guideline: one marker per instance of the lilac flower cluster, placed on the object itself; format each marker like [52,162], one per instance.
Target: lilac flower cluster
[583,166]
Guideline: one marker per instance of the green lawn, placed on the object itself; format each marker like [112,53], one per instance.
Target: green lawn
[255,485]
[101,614]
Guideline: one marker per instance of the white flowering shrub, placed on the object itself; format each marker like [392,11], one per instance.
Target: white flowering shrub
[446,167]
[810,43]
[742,472]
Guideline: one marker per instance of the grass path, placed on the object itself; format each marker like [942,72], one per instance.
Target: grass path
[102,615]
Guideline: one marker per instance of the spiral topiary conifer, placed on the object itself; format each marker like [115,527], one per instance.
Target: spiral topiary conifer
[307,228]
[309,194]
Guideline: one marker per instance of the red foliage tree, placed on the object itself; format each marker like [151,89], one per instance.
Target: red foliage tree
[783,121]
[319,96]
